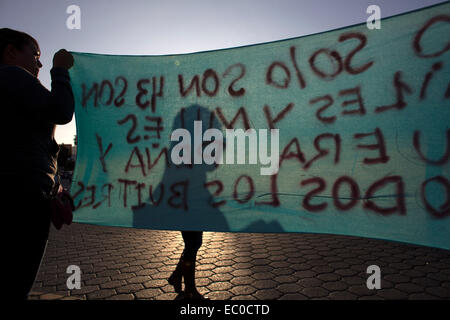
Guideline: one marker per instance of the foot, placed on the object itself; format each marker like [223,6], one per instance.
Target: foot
[175,280]
[193,295]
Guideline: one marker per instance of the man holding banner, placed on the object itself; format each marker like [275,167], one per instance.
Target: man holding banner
[28,166]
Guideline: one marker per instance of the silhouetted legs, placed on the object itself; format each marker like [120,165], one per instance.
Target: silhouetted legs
[186,265]
[23,246]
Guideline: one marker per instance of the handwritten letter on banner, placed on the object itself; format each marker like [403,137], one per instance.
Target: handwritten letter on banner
[364,135]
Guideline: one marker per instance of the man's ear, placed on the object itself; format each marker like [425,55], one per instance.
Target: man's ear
[9,54]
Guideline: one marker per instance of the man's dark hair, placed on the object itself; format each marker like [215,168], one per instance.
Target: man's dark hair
[17,38]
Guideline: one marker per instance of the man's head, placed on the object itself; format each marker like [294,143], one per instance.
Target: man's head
[20,49]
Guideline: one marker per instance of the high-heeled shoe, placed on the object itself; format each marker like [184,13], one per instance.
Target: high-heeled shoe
[193,295]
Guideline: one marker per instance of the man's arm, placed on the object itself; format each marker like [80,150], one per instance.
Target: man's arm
[57,105]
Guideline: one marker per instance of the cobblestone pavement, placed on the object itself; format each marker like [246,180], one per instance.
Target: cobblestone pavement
[123,263]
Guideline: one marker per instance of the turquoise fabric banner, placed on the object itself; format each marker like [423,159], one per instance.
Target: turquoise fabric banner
[348,132]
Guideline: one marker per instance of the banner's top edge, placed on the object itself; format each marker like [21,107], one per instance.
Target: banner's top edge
[445,3]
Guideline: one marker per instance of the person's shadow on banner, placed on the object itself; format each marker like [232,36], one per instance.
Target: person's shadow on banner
[181,200]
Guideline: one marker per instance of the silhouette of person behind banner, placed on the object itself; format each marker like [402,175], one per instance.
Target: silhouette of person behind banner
[182,199]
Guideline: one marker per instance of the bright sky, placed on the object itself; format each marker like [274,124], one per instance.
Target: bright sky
[179,26]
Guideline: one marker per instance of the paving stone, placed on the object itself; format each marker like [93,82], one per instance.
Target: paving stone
[217,277]
[262,269]
[310,282]
[342,295]
[438,291]
[303,267]
[148,293]
[156,276]
[262,275]
[154,283]
[267,294]
[241,272]
[167,296]
[101,294]
[126,296]
[204,281]
[113,284]
[397,278]
[392,294]
[150,272]
[99,281]
[242,290]
[322,269]
[242,280]
[219,295]
[219,286]
[288,288]
[408,288]
[85,290]
[130,288]
[329,277]
[426,282]
[314,292]
[354,280]
[51,296]
[242,260]
[282,271]
[260,262]
[280,264]
[422,296]
[361,290]
[439,277]
[224,263]
[387,284]
[138,279]
[243,265]
[293,296]
[107,273]
[264,284]
[346,272]
[72,298]
[277,258]
[123,276]
[335,286]
[218,270]
[286,279]
[243,297]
